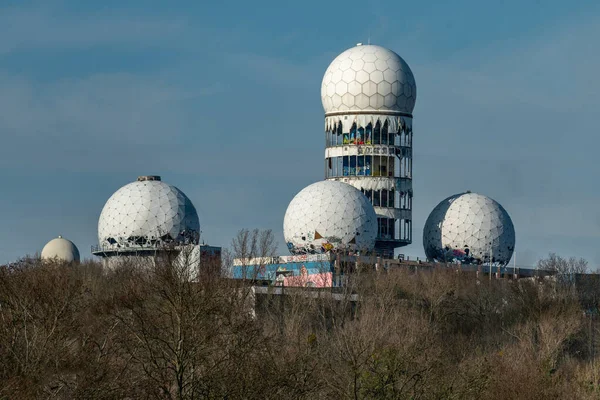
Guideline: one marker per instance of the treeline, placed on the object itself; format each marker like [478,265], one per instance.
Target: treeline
[146,332]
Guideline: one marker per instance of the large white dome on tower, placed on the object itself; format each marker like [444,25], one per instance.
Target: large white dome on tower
[147,213]
[368,78]
[329,215]
[60,249]
[469,227]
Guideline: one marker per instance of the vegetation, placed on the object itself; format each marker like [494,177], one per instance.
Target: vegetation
[146,332]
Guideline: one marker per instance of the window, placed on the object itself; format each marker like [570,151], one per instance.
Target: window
[360,165]
[382,227]
[384,133]
[333,163]
[377,133]
[360,137]
[376,198]
[368,134]
[384,198]
[368,165]
[386,228]
[340,168]
[383,168]
[353,134]
[352,165]
[346,165]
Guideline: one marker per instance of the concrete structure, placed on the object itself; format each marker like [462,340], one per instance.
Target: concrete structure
[368,94]
[147,218]
[329,216]
[60,249]
[469,228]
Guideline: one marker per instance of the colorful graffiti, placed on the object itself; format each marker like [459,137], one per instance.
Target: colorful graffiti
[318,244]
[320,280]
[308,274]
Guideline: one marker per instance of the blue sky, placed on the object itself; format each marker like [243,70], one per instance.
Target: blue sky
[223,101]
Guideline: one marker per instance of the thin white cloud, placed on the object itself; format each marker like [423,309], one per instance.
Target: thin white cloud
[47,28]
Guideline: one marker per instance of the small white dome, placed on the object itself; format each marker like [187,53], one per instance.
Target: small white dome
[469,225]
[329,215]
[147,213]
[368,78]
[60,249]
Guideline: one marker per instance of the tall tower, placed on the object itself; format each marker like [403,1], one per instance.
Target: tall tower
[368,94]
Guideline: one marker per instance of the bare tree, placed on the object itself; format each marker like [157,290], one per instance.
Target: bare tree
[253,250]
[565,269]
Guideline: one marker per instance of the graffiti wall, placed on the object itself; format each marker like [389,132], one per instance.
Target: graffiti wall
[303,274]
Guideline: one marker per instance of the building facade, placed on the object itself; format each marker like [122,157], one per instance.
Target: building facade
[368,95]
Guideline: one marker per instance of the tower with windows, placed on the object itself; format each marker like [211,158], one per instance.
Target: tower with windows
[368,94]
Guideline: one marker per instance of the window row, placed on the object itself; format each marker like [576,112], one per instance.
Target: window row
[381,198]
[368,166]
[368,135]
[388,228]
[388,198]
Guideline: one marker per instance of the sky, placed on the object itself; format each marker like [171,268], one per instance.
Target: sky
[223,101]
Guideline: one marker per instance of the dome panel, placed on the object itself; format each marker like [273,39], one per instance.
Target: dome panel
[348,100]
[337,101]
[349,76]
[357,65]
[362,101]
[369,88]
[384,88]
[369,67]
[341,88]
[354,88]
[361,77]
[376,101]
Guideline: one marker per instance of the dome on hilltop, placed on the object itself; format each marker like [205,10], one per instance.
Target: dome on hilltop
[147,213]
[469,227]
[329,215]
[60,249]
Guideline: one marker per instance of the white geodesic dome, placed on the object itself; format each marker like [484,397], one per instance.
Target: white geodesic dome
[329,215]
[60,249]
[469,227]
[368,78]
[147,214]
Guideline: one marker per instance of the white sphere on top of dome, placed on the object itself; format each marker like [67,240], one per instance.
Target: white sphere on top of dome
[368,78]
[60,249]
[469,227]
[147,213]
[329,215]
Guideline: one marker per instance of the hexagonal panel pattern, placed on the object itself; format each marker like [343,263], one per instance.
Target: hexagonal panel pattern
[147,214]
[468,227]
[368,70]
[329,215]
